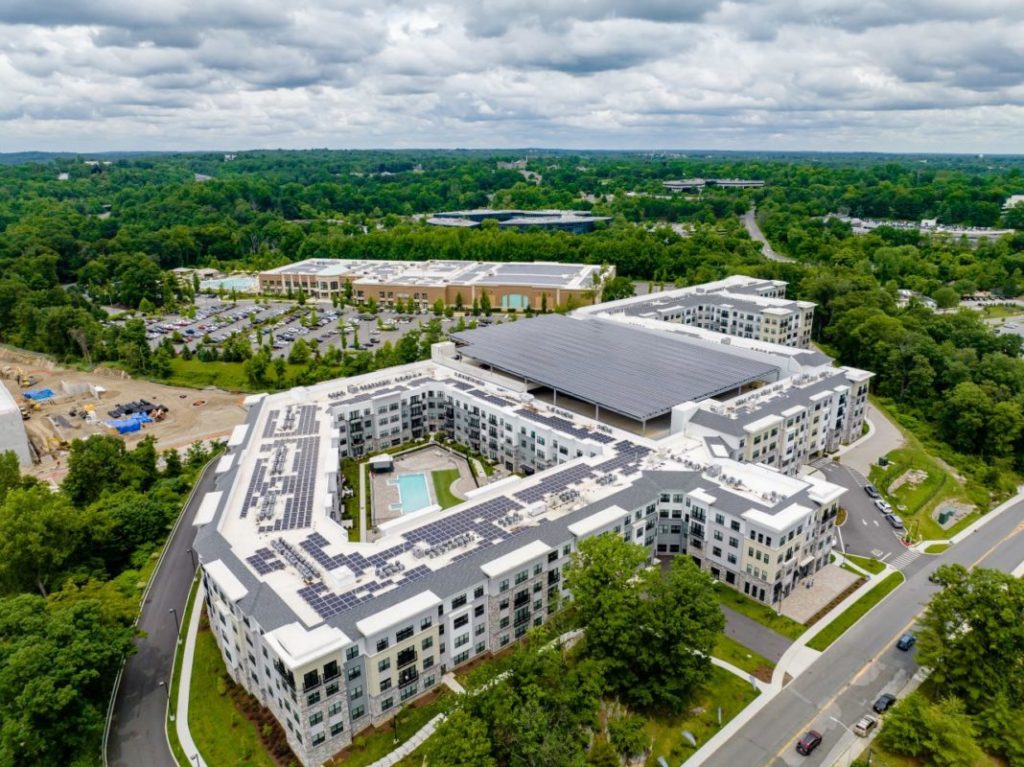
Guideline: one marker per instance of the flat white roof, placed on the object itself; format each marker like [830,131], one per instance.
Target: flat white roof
[597,521]
[402,611]
[762,423]
[238,435]
[300,645]
[515,559]
[226,581]
[208,507]
[225,463]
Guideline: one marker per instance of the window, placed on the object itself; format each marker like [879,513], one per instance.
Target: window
[480,629]
[719,519]
[404,634]
[339,727]
[386,704]
[478,592]
[503,586]
[356,692]
[716,551]
[520,577]
[461,640]
[427,643]
[503,604]
[319,738]
[310,680]
[354,673]
[734,542]
[385,684]
[382,644]
[478,611]
[358,711]
[565,550]
[461,621]
[331,689]
[426,623]
[313,698]
[504,640]
[316,718]
[538,569]
[459,601]
[331,669]
[384,665]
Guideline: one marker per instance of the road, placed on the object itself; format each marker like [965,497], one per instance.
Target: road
[754,636]
[749,220]
[863,663]
[137,734]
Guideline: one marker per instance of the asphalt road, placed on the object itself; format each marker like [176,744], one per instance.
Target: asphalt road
[863,663]
[865,531]
[749,220]
[753,635]
[137,734]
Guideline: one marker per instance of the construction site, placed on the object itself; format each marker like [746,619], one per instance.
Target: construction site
[59,405]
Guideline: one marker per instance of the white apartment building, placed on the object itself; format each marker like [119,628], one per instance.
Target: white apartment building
[334,635]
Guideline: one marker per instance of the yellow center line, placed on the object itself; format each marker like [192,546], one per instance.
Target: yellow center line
[870,662]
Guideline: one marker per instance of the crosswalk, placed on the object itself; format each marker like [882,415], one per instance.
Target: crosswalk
[904,559]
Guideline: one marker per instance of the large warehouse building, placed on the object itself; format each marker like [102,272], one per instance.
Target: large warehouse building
[334,635]
[12,429]
[507,285]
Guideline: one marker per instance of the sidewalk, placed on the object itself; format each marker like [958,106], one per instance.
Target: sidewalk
[185,682]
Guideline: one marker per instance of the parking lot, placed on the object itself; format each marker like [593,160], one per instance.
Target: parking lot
[866,531]
[282,323]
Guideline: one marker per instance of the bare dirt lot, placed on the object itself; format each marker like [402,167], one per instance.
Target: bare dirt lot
[193,414]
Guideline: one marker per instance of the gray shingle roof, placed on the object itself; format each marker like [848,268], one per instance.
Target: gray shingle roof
[633,371]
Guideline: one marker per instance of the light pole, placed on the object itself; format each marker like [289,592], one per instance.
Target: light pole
[192,556]
[195,758]
[177,623]
[167,692]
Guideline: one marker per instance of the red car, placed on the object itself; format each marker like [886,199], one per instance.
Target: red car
[809,741]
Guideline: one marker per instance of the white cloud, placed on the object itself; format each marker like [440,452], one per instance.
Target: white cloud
[927,75]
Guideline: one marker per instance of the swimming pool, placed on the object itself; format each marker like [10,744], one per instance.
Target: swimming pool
[412,492]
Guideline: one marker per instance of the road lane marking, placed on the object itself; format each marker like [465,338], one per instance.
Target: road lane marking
[871,661]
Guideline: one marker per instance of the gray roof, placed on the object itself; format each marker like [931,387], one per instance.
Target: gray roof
[633,371]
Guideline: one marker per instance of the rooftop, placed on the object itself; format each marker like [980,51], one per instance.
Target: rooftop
[634,371]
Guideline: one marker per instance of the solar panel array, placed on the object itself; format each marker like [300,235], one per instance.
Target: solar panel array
[627,459]
[555,483]
[265,561]
[566,426]
[488,397]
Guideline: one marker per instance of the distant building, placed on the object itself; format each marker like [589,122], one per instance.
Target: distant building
[1013,200]
[508,285]
[904,296]
[575,221]
[697,184]
[513,165]
[63,176]
[925,226]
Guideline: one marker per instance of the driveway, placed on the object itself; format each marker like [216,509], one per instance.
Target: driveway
[885,438]
[865,532]
[137,735]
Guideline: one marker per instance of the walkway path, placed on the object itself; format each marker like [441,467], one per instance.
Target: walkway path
[754,636]
[185,682]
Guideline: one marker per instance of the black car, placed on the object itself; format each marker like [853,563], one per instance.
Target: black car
[809,741]
[906,642]
[884,703]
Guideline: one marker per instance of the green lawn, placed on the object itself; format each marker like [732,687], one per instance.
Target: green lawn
[198,374]
[350,471]
[872,566]
[759,612]
[733,652]
[936,548]
[224,736]
[855,612]
[378,742]
[725,690]
[443,479]
[172,734]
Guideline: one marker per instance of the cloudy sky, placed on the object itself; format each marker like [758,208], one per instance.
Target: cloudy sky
[891,75]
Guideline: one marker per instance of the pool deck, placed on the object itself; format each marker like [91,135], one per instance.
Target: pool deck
[385,494]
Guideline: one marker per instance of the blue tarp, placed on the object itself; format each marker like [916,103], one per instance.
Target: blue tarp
[38,394]
[130,423]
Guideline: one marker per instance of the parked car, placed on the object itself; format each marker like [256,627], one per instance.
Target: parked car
[884,703]
[895,521]
[872,491]
[864,727]
[906,642]
[809,741]
[883,506]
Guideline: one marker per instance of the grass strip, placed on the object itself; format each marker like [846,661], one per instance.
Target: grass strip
[855,612]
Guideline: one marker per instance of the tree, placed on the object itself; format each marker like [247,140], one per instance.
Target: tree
[172,463]
[299,354]
[10,474]
[485,303]
[628,735]
[462,742]
[39,532]
[93,465]
[616,288]
[940,734]
[601,754]
[653,633]
[946,297]
[972,636]
[543,303]
[459,302]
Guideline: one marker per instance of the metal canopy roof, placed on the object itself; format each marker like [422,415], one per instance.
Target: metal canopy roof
[637,372]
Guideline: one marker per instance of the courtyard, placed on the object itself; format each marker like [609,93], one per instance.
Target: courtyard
[426,477]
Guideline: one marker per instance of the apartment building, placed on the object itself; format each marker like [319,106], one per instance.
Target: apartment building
[739,306]
[333,635]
